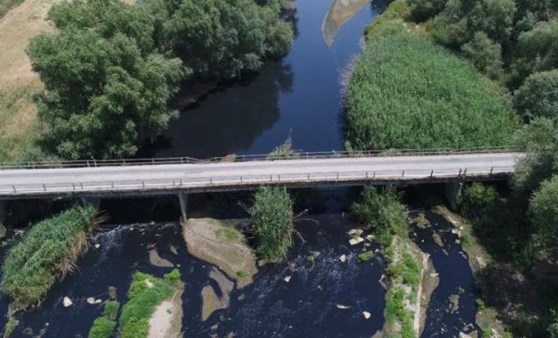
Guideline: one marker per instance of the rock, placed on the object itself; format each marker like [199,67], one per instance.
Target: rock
[481,262]
[457,242]
[112,292]
[158,261]
[370,238]
[90,300]
[434,275]
[343,258]
[463,335]
[97,246]
[173,249]
[67,302]
[356,240]
[366,314]
[200,235]
[355,232]
[149,283]
[287,279]
[98,301]
[342,307]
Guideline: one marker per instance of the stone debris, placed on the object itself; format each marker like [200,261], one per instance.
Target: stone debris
[343,258]
[366,314]
[356,240]
[149,283]
[434,275]
[98,301]
[342,307]
[481,262]
[97,246]
[463,335]
[287,279]
[90,300]
[355,232]
[67,302]
[370,238]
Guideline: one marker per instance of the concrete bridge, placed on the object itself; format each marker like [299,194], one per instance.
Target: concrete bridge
[118,178]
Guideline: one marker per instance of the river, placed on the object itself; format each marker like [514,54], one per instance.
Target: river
[297,97]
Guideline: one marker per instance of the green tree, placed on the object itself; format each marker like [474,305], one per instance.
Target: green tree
[538,96]
[485,54]
[272,213]
[222,40]
[426,9]
[106,89]
[544,210]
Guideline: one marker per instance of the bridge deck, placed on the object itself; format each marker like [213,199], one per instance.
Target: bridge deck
[166,178]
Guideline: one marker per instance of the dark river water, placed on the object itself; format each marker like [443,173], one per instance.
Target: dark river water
[297,97]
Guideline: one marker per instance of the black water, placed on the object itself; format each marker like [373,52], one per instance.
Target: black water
[298,96]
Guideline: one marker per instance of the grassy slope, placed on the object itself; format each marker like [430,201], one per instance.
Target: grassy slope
[407,92]
[18,126]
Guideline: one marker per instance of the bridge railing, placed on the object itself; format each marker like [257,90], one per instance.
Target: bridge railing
[92,163]
[247,180]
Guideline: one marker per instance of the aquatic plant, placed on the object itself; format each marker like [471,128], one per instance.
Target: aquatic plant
[146,292]
[272,214]
[47,253]
[365,256]
[103,326]
[407,92]
[381,210]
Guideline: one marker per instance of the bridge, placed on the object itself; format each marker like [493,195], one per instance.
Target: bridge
[166,176]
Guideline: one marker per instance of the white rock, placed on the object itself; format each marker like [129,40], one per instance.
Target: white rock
[434,275]
[355,232]
[90,300]
[287,279]
[98,301]
[454,231]
[342,307]
[67,302]
[366,314]
[149,283]
[343,258]
[481,262]
[97,246]
[356,240]
[463,335]
[370,238]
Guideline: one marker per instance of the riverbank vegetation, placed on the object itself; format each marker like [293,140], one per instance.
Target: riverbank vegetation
[145,293]
[110,92]
[48,252]
[407,92]
[272,214]
[104,326]
[383,213]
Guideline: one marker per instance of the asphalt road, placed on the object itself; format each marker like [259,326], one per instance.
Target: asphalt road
[37,181]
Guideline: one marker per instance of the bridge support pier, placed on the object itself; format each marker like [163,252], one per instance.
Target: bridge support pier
[183,199]
[453,192]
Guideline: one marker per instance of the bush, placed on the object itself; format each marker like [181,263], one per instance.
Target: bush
[382,211]
[102,328]
[538,96]
[406,92]
[426,9]
[390,22]
[544,210]
[478,199]
[143,299]
[273,222]
[48,251]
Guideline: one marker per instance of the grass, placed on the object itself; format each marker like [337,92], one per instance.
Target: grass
[103,327]
[365,256]
[272,213]
[48,251]
[395,313]
[407,92]
[228,234]
[146,292]
[10,327]
[407,269]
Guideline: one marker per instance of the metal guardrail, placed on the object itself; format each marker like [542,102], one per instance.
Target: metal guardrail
[246,180]
[250,157]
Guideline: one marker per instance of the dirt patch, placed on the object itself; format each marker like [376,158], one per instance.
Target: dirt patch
[213,241]
[166,321]
[158,261]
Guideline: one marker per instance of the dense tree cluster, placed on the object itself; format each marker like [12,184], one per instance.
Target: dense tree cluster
[109,68]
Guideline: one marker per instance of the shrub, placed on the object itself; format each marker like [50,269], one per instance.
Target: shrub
[477,199]
[406,92]
[544,210]
[538,96]
[102,328]
[365,256]
[146,292]
[48,251]
[485,54]
[382,211]
[273,222]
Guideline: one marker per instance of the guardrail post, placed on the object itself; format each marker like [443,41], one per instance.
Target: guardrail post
[74,186]
[279,177]
[211,180]
[431,173]
[465,172]
[81,183]
[271,178]
[308,176]
[87,161]
[95,162]
[44,187]
[143,184]
[458,175]
[491,170]
[403,174]
[337,175]
[13,186]
[112,184]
